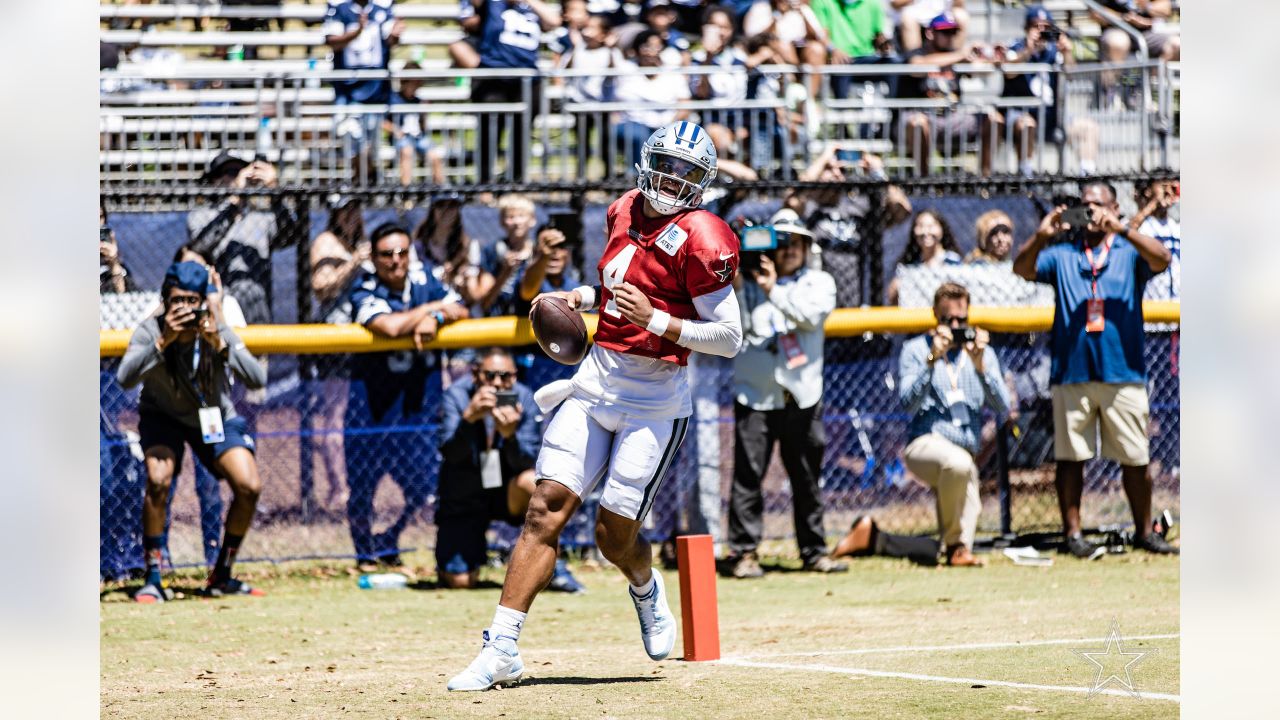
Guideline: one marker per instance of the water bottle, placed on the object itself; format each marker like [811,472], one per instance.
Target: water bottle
[312,81]
[383,581]
[264,141]
[236,53]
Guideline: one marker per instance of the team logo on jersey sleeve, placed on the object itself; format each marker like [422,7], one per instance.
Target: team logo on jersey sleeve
[724,273]
[671,239]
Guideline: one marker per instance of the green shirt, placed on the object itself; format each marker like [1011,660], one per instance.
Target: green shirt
[851,24]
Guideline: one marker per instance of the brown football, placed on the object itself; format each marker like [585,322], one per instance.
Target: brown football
[560,332]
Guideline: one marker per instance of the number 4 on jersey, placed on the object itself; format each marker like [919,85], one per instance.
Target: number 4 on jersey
[614,273]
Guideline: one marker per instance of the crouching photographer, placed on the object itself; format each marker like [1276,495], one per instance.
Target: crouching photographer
[945,378]
[181,358]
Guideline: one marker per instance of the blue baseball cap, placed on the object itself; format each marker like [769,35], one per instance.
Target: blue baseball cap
[945,21]
[189,276]
[1037,14]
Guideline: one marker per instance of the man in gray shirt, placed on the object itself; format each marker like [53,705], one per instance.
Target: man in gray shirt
[944,379]
[239,233]
[181,358]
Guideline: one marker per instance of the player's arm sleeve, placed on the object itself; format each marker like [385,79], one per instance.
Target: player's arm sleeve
[141,355]
[806,303]
[914,375]
[241,361]
[719,329]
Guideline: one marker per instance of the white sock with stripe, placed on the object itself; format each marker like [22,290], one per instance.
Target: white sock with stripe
[507,623]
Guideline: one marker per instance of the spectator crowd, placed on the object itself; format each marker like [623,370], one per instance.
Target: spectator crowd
[671,55]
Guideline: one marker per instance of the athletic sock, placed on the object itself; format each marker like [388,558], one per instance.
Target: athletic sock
[641,591]
[507,623]
[153,549]
[226,558]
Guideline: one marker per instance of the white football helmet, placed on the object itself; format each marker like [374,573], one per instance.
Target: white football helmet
[677,163]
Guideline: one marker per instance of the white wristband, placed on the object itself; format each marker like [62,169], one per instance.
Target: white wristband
[588,294]
[659,322]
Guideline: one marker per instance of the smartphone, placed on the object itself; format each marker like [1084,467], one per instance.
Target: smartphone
[756,240]
[507,398]
[567,222]
[849,156]
[200,312]
[104,234]
[1077,216]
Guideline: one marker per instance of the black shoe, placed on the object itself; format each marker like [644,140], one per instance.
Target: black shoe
[1154,543]
[1081,548]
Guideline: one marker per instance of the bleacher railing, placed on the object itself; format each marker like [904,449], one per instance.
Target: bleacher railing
[162,126]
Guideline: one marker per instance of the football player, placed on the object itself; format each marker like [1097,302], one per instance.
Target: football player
[665,291]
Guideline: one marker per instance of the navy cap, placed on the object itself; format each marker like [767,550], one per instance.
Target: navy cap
[189,276]
[1036,14]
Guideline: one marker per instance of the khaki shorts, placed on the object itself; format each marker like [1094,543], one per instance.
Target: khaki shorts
[1120,412]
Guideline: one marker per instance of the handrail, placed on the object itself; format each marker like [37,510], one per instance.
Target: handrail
[291,11]
[1115,19]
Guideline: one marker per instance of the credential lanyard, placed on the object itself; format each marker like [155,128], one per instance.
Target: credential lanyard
[195,368]
[1095,266]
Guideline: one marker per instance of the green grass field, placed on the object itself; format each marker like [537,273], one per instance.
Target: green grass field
[863,644]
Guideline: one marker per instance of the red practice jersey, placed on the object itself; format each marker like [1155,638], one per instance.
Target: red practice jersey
[671,259]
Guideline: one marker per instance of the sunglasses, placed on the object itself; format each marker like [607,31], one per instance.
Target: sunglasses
[494,375]
[948,320]
[389,254]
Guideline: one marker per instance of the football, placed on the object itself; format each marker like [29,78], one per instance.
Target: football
[560,332]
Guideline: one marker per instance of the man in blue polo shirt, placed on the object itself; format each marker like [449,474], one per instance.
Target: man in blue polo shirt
[393,404]
[1098,373]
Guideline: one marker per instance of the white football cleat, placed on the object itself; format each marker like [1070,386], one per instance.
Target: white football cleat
[497,665]
[657,624]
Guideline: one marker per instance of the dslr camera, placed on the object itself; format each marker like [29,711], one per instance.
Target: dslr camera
[756,240]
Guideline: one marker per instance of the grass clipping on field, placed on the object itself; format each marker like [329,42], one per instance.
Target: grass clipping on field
[317,646]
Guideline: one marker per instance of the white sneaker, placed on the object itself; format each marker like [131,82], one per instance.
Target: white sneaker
[498,664]
[657,624]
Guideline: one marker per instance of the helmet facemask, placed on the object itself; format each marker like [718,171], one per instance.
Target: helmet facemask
[671,183]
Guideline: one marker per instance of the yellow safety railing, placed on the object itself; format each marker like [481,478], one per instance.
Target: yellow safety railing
[510,330]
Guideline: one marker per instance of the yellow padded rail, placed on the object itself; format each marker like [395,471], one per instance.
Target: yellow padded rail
[509,330]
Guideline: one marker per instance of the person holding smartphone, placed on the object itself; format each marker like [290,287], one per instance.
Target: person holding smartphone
[488,442]
[181,358]
[1098,375]
[945,377]
[113,276]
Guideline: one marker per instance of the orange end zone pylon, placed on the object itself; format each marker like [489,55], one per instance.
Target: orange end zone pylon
[696,555]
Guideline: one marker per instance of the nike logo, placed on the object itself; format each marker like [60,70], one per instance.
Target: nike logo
[726,256]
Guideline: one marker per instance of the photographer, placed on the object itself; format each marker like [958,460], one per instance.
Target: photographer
[240,232]
[113,276]
[944,379]
[552,268]
[1098,267]
[488,442]
[181,358]
[778,392]
[1042,43]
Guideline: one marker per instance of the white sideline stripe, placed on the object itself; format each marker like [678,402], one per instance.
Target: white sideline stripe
[955,680]
[936,648]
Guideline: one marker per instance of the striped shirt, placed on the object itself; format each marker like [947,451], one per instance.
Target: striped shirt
[923,390]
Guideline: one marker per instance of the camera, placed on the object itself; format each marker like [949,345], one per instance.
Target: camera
[1077,216]
[967,335]
[200,311]
[506,398]
[1051,34]
[756,241]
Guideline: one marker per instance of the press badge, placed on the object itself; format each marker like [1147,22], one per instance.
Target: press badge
[1095,321]
[790,345]
[490,470]
[211,425]
[959,413]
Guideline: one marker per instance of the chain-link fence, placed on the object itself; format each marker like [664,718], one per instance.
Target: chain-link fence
[318,443]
